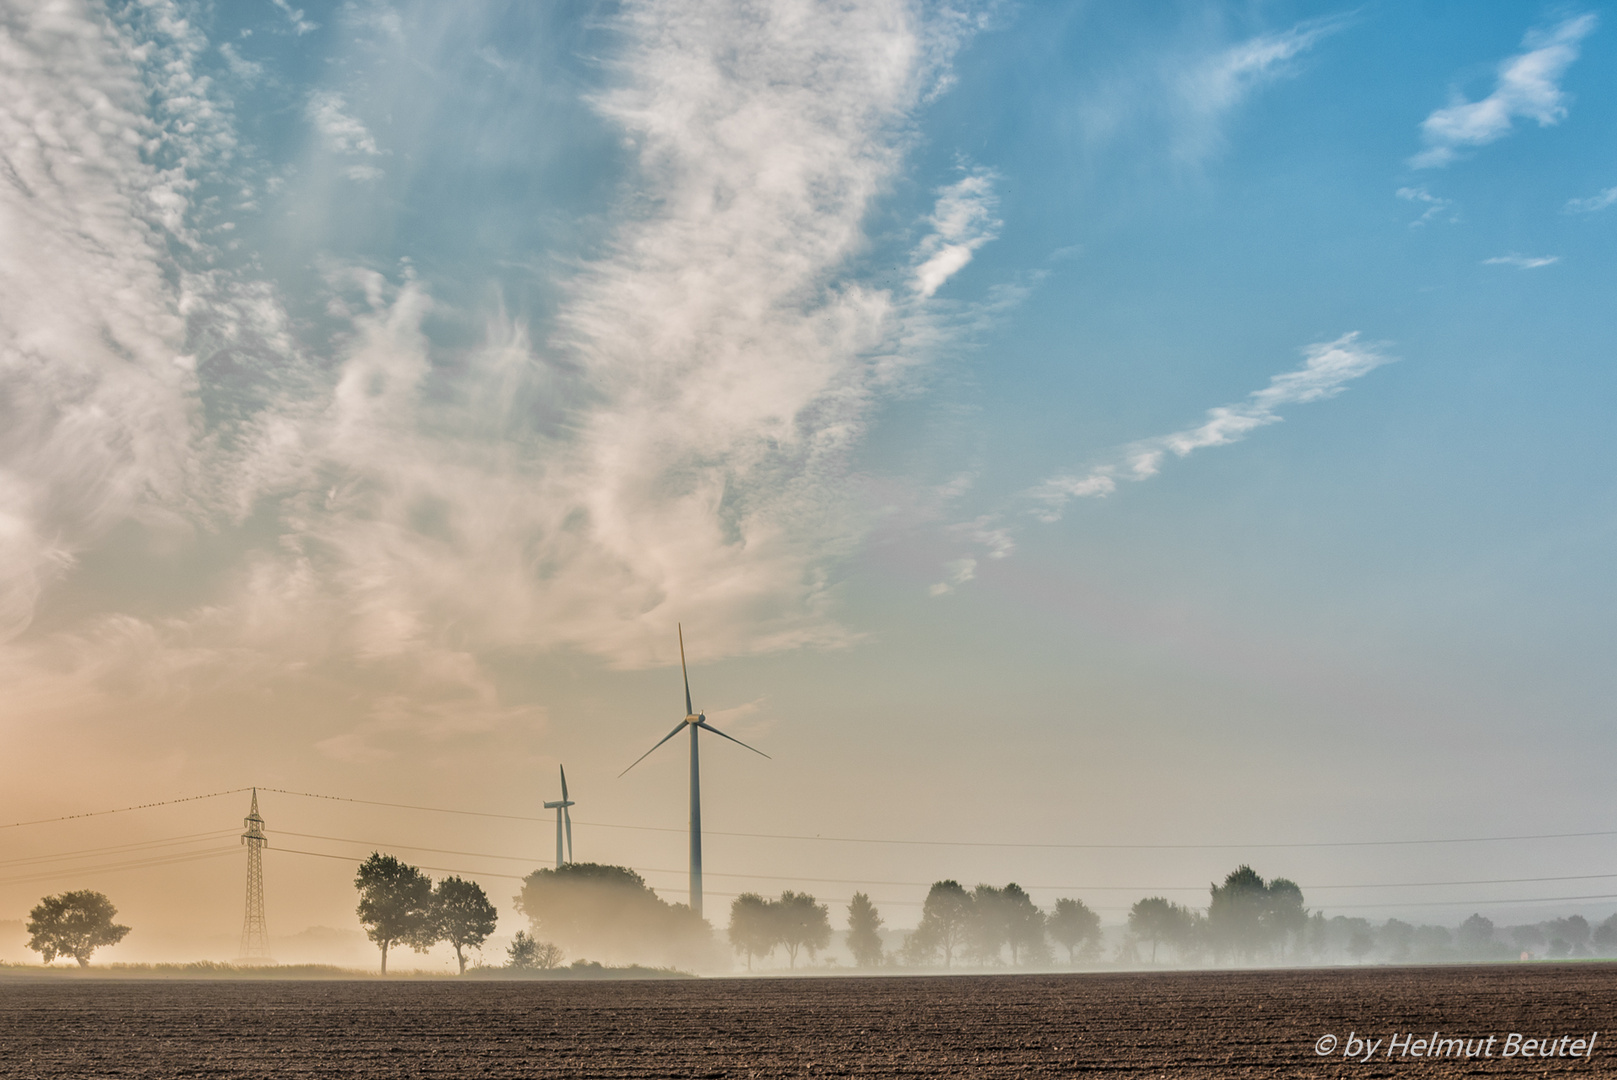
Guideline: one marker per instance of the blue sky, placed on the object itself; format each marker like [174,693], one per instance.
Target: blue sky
[1066,422]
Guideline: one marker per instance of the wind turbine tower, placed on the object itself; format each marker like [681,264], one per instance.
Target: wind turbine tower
[254,931]
[697,722]
[562,816]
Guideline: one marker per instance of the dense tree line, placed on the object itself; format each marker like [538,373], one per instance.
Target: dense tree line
[610,912]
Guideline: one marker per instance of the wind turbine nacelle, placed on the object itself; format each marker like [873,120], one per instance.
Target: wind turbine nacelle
[696,719]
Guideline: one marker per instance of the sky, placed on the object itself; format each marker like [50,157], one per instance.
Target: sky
[1179,432]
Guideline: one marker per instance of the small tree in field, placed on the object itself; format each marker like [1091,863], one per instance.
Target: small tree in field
[73,924]
[395,904]
[753,930]
[530,954]
[463,915]
[801,923]
[864,931]
[1075,927]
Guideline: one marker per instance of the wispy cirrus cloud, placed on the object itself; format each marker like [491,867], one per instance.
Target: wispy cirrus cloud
[1594,203]
[1329,367]
[1436,207]
[1214,87]
[1528,87]
[673,444]
[1190,91]
[1327,370]
[1522,262]
[344,134]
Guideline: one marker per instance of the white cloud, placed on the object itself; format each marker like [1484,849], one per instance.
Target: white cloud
[1522,262]
[962,221]
[1211,88]
[294,17]
[343,134]
[677,450]
[1528,88]
[1436,207]
[1329,367]
[98,406]
[959,571]
[1593,203]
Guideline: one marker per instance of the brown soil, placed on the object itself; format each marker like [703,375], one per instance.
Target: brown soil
[1126,1025]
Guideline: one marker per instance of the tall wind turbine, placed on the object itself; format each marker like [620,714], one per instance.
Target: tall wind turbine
[696,722]
[562,816]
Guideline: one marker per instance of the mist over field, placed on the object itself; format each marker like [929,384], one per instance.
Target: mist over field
[1083,451]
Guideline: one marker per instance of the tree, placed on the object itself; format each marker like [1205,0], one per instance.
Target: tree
[1235,917]
[1605,935]
[1395,938]
[988,927]
[1024,926]
[611,913]
[1248,915]
[395,904]
[1476,935]
[1156,920]
[1574,930]
[463,914]
[945,917]
[864,931]
[753,930]
[1074,926]
[530,954]
[801,924]
[1285,917]
[73,924]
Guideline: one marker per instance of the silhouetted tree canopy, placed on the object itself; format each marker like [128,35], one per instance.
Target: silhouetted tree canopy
[864,931]
[610,912]
[1156,920]
[945,921]
[73,924]
[1024,926]
[1075,927]
[801,924]
[463,915]
[987,925]
[752,927]
[1248,915]
[395,904]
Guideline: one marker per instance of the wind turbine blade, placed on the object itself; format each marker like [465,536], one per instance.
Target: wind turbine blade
[568,818]
[563,783]
[688,710]
[705,726]
[660,741]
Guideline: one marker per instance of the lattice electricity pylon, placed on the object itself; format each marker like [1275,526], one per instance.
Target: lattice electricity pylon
[254,931]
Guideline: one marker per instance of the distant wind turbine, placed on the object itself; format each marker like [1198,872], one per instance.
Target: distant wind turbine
[693,720]
[562,816]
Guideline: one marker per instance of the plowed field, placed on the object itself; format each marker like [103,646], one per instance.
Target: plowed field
[1124,1025]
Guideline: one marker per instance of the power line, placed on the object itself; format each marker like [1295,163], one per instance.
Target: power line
[859,839]
[970,843]
[166,842]
[377,844]
[144,864]
[1068,888]
[123,809]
